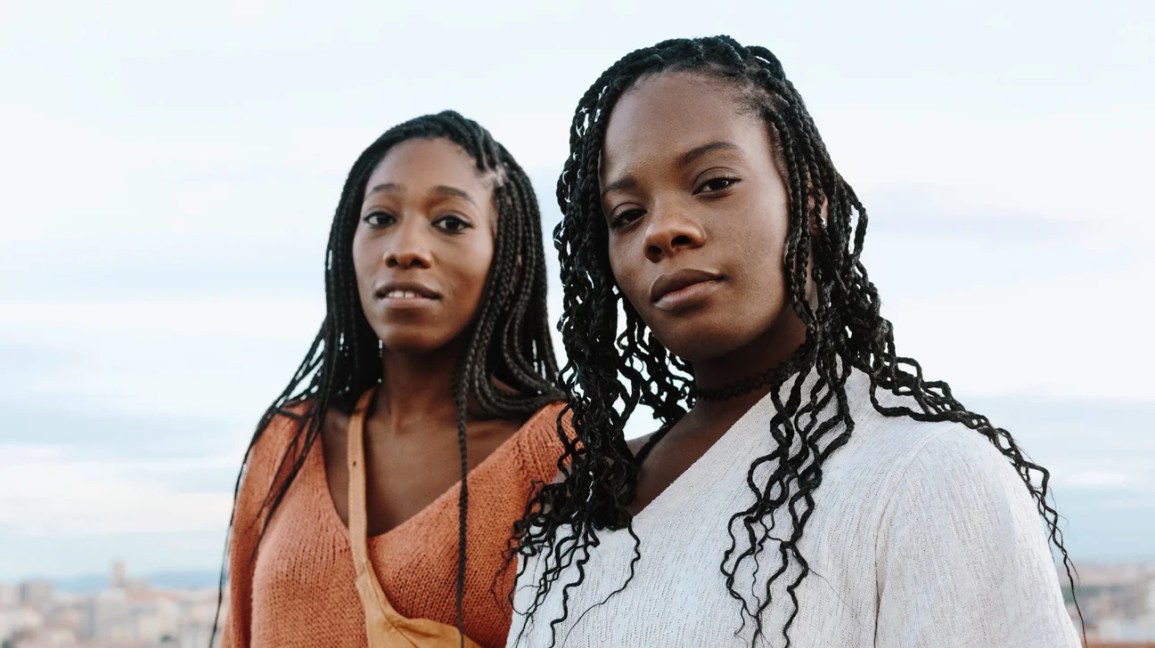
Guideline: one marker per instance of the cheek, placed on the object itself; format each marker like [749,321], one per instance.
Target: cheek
[366,262]
[361,258]
[773,247]
[475,267]
[624,273]
[766,239]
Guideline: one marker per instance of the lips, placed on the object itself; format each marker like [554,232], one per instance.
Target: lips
[667,287]
[405,290]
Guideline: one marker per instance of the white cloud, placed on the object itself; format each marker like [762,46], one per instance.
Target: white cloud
[235,317]
[1143,503]
[1098,479]
[160,357]
[1083,335]
[42,494]
[1045,163]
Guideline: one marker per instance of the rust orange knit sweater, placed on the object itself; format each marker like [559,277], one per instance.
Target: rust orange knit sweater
[300,589]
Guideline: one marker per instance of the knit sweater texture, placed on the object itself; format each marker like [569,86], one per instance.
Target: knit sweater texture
[922,534]
[299,590]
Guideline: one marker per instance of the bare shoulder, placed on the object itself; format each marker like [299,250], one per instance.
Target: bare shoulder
[637,443]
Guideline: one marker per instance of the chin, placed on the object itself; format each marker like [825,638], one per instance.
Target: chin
[710,333]
[696,343]
[411,342]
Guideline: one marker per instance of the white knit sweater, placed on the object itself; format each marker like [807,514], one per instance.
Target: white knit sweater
[922,535]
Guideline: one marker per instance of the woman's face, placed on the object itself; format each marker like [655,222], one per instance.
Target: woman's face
[697,215]
[424,244]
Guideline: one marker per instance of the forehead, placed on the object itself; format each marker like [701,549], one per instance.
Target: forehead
[664,116]
[420,164]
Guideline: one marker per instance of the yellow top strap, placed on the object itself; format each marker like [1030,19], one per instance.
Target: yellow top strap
[384,627]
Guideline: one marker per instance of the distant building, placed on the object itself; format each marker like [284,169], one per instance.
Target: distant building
[9,596]
[1118,603]
[119,575]
[68,614]
[108,618]
[37,594]
[46,638]
[18,621]
[198,610]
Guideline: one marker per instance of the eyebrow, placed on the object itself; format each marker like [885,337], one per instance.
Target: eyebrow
[685,159]
[699,151]
[627,182]
[444,191]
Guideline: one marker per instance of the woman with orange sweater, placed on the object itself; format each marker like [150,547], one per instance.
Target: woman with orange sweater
[378,495]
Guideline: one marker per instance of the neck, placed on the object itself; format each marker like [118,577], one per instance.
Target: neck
[760,357]
[416,386]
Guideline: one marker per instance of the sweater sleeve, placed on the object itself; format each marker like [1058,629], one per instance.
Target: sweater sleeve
[538,450]
[245,532]
[962,558]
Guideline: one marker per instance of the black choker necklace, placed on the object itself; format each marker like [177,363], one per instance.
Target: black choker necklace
[734,390]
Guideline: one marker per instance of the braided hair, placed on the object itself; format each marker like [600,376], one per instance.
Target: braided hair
[612,368]
[508,341]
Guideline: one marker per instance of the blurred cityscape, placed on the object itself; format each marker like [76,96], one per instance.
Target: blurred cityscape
[1118,603]
[126,613]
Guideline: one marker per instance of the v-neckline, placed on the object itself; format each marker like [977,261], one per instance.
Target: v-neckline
[437,503]
[721,451]
[703,465]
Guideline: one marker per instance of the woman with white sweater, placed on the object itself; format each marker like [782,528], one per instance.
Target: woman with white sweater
[806,486]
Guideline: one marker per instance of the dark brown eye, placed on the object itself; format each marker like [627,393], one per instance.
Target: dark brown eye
[716,184]
[625,217]
[452,223]
[379,219]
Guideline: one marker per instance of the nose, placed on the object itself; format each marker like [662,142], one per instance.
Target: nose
[408,247]
[670,229]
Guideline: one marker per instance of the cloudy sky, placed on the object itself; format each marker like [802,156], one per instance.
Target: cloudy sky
[167,177]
